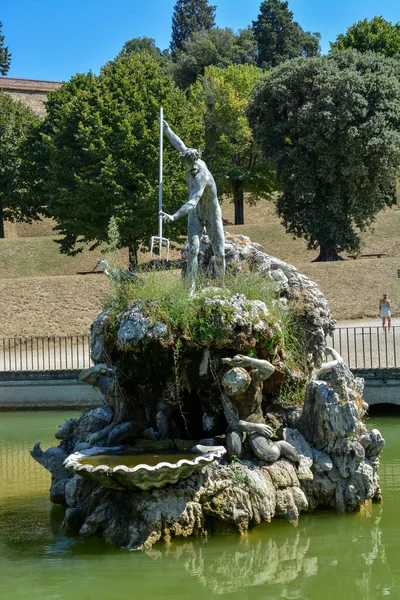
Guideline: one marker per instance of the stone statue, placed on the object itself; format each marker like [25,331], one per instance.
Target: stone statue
[327,367]
[118,431]
[101,376]
[241,401]
[202,209]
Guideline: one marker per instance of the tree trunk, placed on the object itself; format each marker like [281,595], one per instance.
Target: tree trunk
[133,257]
[1,221]
[327,253]
[237,189]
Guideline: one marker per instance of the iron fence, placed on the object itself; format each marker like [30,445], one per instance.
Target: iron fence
[45,353]
[367,347]
[360,347]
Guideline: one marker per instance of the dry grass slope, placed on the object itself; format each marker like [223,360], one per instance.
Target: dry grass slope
[42,294]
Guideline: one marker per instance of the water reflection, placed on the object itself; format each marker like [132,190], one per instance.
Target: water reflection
[246,563]
[283,557]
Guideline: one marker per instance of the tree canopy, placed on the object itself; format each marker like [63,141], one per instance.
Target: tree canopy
[332,127]
[16,120]
[5,56]
[219,47]
[141,44]
[96,153]
[376,35]
[279,37]
[188,17]
[230,151]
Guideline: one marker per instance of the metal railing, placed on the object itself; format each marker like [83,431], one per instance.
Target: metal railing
[45,353]
[360,347]
[367,347]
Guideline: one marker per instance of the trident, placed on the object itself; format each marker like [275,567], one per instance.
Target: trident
[159,238]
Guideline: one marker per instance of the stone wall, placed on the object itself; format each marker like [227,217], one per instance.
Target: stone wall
[34,100]
[30,92]
[31,390]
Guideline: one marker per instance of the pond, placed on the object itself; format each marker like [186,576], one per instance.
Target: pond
[327,556]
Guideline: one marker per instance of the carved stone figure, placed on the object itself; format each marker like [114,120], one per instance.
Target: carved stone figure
[202,209]
[118,275]
[326,367]
[241,402]
[101,376]
[118,431]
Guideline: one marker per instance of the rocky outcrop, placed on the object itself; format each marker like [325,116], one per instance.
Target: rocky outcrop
[222,498]
[338,463]
[292,288]
[331,421]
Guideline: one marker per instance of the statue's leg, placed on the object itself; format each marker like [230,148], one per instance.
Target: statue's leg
[288,451]
[215,232]
[195,230]
[264,448]
[234,443]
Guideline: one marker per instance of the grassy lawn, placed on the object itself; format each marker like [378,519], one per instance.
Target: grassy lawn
[41,292]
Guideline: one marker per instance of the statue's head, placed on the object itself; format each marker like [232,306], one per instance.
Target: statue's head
[236,381]
[189,156]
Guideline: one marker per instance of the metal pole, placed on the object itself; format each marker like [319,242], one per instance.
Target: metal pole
[160,186]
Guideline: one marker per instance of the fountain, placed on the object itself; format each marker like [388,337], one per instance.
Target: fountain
[154,462]
[232,383]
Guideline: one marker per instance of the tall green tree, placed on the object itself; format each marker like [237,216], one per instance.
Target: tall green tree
[376,35]
[96,154]
[230,151]
[5,56]
[190,16]
[332,127]
[141,44]
[219,47]
[16,120]
[279,37]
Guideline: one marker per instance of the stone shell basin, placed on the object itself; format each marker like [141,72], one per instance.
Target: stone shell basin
[142,476]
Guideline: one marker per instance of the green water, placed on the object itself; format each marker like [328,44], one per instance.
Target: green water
[133,460]
[327,556]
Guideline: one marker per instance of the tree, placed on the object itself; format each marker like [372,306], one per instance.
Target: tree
[230,150]
[96,154]
[5,56]
[279,38]
[141,44]
[145,44]
[219,47]
[332,127]
[15,122]
[377,35]
[190,16]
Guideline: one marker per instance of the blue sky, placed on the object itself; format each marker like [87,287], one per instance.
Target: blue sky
[54,39]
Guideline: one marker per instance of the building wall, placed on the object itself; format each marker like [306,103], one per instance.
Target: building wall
[30,92]
[34,100]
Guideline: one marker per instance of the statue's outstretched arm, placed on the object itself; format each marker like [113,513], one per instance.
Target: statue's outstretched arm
[196,193]
[263,368]
[327,367]
[173,138]
[92,374]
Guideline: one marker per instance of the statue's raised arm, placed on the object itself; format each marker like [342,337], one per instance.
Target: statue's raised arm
[173,138]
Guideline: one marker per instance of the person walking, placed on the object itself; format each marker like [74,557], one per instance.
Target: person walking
[385,306]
